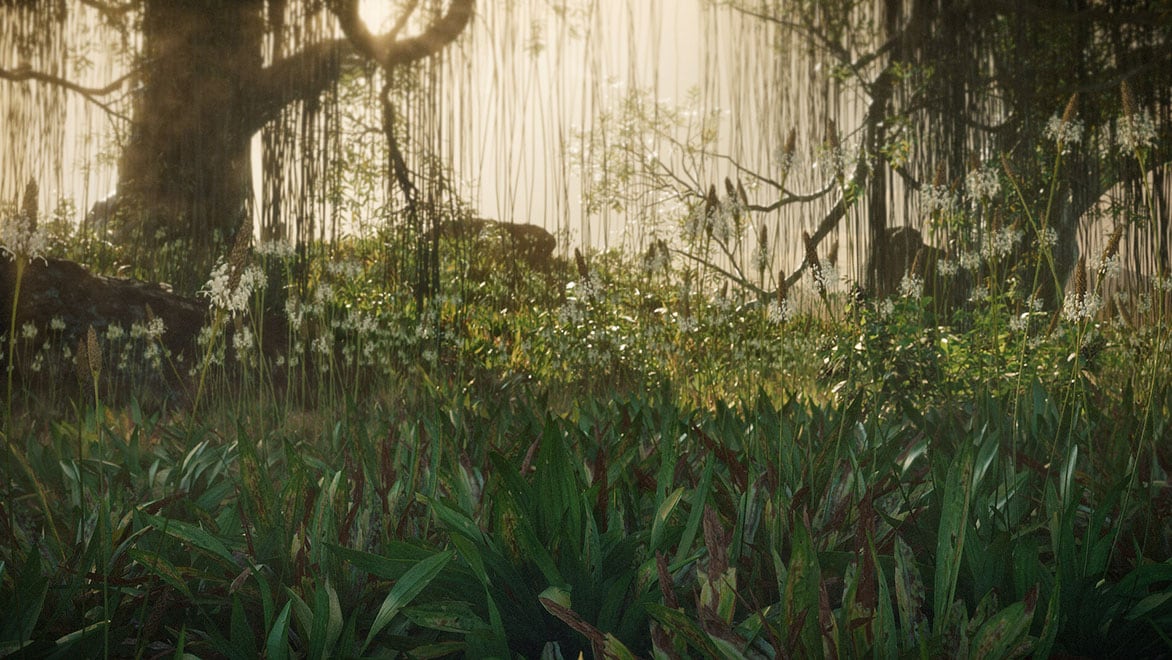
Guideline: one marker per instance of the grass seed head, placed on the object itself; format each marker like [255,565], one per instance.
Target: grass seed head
[93,352]
[28,204]
[1071,109]
[1129,107]
[1080,279]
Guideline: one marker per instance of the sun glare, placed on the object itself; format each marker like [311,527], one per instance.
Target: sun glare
[375,13]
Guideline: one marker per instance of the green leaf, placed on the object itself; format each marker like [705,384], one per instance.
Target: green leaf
[950,535]
[909,590]
[154,563]
[677,622]
[405,590]
[662,515]
[193,535]
[802,589]
[277,642]
[1003,633]
[449,616]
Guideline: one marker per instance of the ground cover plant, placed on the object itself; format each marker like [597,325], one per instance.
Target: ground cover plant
[617,459]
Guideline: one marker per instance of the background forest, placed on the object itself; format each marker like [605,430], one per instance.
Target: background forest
[614,328]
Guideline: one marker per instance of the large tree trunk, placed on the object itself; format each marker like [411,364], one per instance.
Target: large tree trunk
[185,174]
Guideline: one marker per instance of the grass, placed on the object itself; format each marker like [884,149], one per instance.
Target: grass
[626,457]
[593,472]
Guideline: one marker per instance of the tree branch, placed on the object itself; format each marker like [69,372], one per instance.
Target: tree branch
[387,49]
[24,73]
[302,76]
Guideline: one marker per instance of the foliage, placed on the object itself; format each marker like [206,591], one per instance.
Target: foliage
[485,481]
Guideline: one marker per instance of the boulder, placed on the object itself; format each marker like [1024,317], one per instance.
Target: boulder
[504,244]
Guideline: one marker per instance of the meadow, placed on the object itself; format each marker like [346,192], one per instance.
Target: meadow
[609,459]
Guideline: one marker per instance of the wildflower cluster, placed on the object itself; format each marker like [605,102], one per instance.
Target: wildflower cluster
[19,236]
[1064,132]
[982,183]
[1136,131]
[233,299]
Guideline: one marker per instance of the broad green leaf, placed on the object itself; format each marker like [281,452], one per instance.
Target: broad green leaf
[1005,631]
[677,622]
[405,590]
[909,591]
[802,587]
[950,535]
[662,515]
[193,535]
[277,642]
[886,642]
[164,569]
[448,616]
[698,500]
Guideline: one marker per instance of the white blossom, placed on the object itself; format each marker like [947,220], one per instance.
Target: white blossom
[936,198]
[1076,308]
[778,312]
[1065,133]
[19,238]
[911,287]
[1135,131]
[982,183]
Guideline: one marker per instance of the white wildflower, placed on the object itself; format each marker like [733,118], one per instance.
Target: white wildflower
[1135,131]
[56,324]
[911,287]
[114,332]
[1109,267]
[946,267]
[1076,308]
[1019,323]
[936,198]
[233,300]
[243,341]
[785,159]
[155,328]
[279,249]
[979,293]
[321,345]
[885,308]
[1064,133]
[982,183]
[777,312]
[1048,238]
[1000,243]
[20,238]
[28,330]
[970,261]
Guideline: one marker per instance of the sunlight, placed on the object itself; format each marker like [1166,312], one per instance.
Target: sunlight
[375,13]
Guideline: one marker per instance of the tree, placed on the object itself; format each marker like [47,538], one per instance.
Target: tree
[211,74]
[968,85]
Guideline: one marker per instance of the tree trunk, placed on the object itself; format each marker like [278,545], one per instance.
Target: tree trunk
[185,174]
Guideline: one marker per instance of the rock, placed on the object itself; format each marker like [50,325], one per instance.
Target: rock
[906,253]
[59,301]
[504,244]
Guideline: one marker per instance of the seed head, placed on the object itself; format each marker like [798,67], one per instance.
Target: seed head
[93,352]
[1080,279]
[1129,107]
[1071,109]
[28,205]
